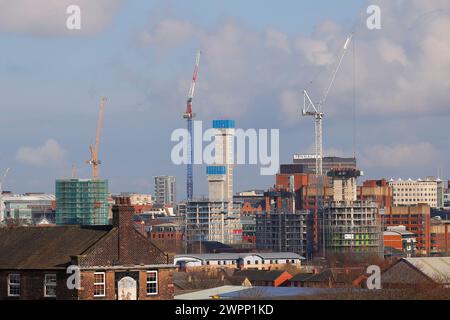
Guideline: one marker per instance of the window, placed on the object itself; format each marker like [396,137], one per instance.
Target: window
[50,285]
[14,285]
[99,284]
[152,282]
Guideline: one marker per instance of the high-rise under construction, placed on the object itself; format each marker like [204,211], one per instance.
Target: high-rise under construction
[220,175]
[82,202]
[346,224]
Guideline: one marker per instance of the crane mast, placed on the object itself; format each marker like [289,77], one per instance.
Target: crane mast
[2,205]
[94,161]
[315,110]
[310,109]
[189,115]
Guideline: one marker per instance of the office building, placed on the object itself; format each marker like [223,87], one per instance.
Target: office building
[82,202]
[29,208]
[307,164]
[413,192]
[165,191]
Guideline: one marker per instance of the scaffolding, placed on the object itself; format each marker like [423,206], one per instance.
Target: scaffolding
[82,202]
[285,232]
[352,227]
[212,221]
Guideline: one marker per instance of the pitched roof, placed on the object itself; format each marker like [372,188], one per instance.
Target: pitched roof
[301,277]
[321,277]
[436,268]
[259,275]
[45,247]
[338,275]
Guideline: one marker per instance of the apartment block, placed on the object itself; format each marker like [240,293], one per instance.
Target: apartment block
[212,221]
[165,190]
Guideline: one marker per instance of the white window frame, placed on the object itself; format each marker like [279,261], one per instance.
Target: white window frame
[15,284]
[153,281]
[100,284]
[48,285]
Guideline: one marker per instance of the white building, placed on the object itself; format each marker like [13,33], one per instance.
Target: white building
[138,198]
[165,190]
[220,175]
[412,192]
[212,221]
[29,208]
[259,261]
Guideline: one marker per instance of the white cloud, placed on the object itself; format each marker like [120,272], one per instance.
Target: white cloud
[48,17]
[416,155]
[391,52]
[50,154]
[400,70]
[290,102]
[278,40]
[168,33]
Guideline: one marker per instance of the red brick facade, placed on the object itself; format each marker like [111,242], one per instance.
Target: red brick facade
[118,251]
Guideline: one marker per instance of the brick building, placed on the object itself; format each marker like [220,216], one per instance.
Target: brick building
[115,262]
[169,236]
[377,191]
[398,239]
[416,219]
[440,237]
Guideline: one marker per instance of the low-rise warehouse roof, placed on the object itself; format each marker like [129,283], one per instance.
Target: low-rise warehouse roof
[236,256]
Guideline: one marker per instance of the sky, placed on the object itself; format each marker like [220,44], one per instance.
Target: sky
[390,104]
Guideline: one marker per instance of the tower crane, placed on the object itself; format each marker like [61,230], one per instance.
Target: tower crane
[189,115]
[2,205]
[311,109]
[94,161]
[315,109]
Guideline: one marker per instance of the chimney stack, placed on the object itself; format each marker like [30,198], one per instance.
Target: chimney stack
[123,213]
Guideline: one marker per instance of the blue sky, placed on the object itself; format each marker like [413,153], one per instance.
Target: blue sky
[257,60]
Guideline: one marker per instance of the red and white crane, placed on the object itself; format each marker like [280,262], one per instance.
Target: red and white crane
[189,115]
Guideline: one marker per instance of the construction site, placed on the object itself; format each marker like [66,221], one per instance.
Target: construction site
[85,201]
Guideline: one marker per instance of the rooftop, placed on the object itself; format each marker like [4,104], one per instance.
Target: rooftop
[235,256]
[436,268]
[45,247]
